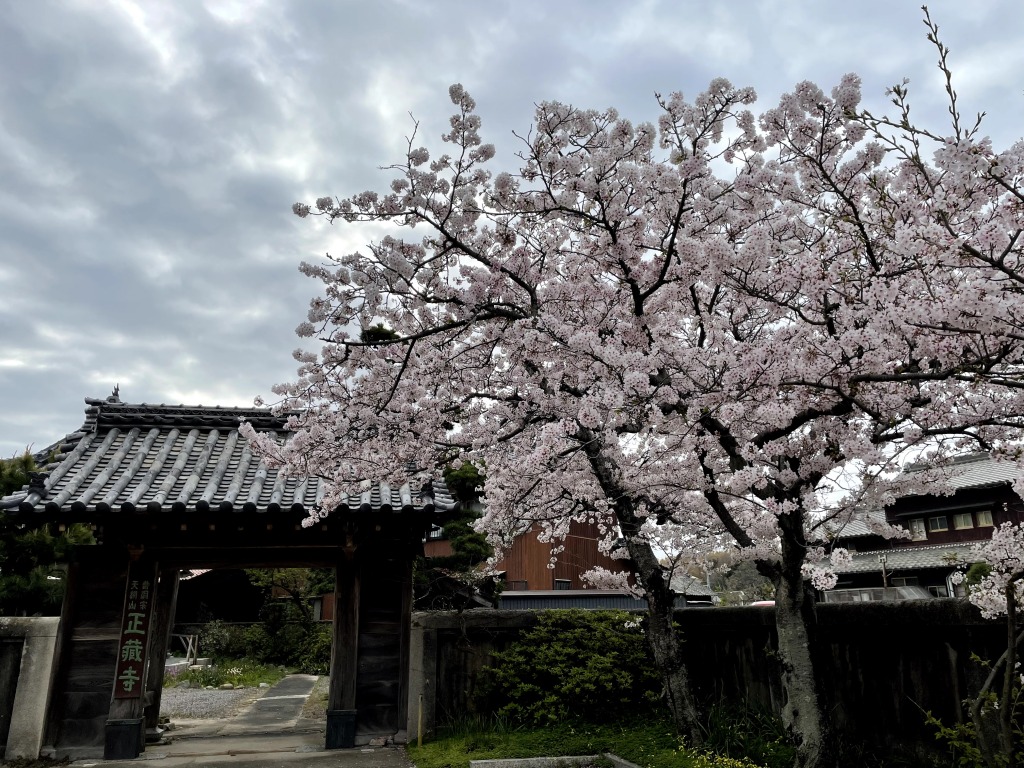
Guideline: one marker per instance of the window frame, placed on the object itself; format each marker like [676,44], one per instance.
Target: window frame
[918,529]
[933,525]
[960,516]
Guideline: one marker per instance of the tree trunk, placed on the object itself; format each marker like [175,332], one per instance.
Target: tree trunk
[661,631]
[667,650]
[802,710]
[662,634]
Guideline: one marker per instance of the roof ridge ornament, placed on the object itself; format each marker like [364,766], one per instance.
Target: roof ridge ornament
[37,483]
[115,396]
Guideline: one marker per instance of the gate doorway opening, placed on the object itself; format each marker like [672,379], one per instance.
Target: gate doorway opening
[236,635]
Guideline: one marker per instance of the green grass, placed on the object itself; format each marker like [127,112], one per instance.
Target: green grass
[651,744]
[755,734]
[238,672]
[315,707]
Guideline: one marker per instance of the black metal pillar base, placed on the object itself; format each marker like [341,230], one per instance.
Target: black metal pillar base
[125,739]
[341,728]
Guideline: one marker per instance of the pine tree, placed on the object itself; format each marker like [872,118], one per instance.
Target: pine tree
[32,573]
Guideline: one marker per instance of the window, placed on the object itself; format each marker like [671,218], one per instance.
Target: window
[563,584]
[985,518]
[905,581]
[938,523]
[963,520]
[917,530]
[939,591]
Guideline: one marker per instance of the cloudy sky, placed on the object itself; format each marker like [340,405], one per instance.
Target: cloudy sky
[150,151]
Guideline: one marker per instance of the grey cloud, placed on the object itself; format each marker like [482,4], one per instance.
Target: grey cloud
[150,162]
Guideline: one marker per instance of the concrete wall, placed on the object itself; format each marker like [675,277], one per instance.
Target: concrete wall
[883,663]
[29,646]
[10,667]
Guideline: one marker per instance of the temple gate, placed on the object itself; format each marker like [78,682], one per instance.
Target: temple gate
[168,488]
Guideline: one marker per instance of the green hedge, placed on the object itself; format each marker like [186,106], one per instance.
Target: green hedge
[590,666]
[302,646]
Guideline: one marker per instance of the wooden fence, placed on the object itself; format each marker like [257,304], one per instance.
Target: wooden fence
[883,664]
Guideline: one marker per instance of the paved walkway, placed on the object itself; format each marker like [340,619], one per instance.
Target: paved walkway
[277,711]
[269,733]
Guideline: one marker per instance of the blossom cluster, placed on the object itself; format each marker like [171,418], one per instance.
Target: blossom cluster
[1004,553]
[624,335]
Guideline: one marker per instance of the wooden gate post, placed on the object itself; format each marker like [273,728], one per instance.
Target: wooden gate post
[341,699]
[125,732]
[159,637]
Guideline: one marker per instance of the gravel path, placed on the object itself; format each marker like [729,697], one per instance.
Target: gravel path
[201,703]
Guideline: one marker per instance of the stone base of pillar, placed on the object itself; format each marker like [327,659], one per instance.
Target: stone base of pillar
[125,739]
[341,728]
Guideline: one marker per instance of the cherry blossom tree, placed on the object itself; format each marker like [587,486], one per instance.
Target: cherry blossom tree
[681,331]
[994,722]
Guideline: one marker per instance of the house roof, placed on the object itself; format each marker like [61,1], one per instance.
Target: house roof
[684,584]
[909,558]
[155,458]
[977,470]
[860,524]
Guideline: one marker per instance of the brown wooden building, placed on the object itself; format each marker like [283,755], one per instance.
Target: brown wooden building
[527,562]
[942,529]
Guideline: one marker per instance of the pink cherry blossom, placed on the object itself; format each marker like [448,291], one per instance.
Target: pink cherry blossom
[624,335]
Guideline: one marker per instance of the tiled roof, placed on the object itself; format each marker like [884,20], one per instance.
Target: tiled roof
[684,584]
[978,470]
[909,558]
[860,524]
[153,458]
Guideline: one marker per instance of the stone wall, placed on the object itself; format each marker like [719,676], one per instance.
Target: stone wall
[27,652]
[10,667]
[884,663]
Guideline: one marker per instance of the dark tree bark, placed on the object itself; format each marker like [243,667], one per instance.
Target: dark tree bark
[662,633]
[803,709]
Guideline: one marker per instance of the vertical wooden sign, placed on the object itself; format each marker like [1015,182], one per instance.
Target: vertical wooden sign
[130,674]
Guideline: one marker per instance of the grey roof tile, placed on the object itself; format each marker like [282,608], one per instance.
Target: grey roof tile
[684,584]
[155,458]
[860,524]
[978,470]
[909,558]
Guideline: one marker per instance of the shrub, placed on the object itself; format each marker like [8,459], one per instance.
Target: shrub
[591,666]
[259,644]
[314,657]
[214,639]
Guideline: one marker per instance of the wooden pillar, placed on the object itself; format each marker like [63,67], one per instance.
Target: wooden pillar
[341,699]
[159,638]
[405,622]
[125,733]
